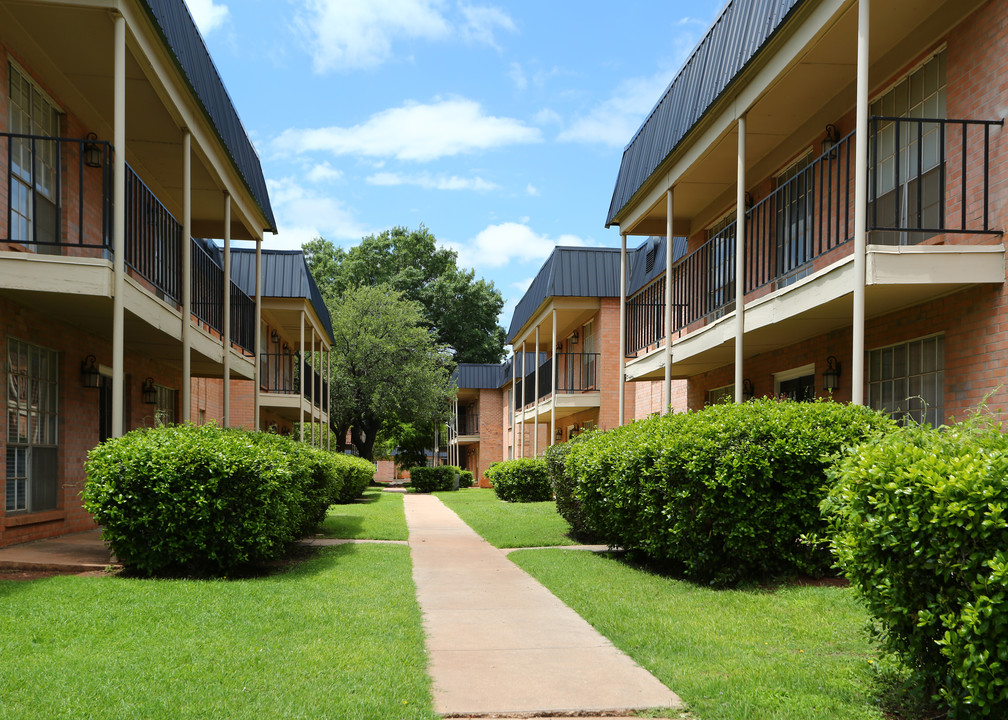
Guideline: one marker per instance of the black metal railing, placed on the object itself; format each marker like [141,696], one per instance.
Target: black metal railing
[55,201]
[467,422]
[645,317]
[575,372]
[207,288]
[316,388]
[278,373]
[153,240]
[243,319]
[925,176]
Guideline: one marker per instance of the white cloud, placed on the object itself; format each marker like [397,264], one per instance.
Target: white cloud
[415,131]
[323,172]
[517,75]
[498,245]
[481,21]
[547,116]
[523,285]
[532,190]
[615,120]
[207,14]
[303,214]
[354,34]
[432,182]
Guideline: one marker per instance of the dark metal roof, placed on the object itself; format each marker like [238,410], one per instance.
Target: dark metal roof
[285,274]
[741,30]
[569,272]
[183,40]
[638,274]
[479,375]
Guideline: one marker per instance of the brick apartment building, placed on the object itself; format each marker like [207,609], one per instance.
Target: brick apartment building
[861,148]
[119,145]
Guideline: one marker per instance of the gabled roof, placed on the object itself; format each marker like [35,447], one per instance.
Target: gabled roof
[569,272]
[640,271]
[183,40]
[479,375]
[285,274]
[741,30]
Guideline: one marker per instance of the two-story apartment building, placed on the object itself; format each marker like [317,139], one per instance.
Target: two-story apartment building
[832,176]
[118,146]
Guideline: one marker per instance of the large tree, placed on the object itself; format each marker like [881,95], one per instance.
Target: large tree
[387,367]
[461,310]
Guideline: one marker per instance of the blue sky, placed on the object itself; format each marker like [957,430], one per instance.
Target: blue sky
[498,126]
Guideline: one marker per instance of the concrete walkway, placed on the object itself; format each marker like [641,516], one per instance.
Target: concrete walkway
[77,552]
[499,642]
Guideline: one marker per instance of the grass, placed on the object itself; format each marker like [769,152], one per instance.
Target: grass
[793,653]
[376,516]
[338,636]
[509,525]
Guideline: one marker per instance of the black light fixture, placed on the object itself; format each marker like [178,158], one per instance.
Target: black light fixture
[89,372]
[286,348]
[559,434]
[559,347]
[831,377]
[149,391]
[748,200]
[275,336]
[92,151]
[831,139]
[574,338]
[747,389]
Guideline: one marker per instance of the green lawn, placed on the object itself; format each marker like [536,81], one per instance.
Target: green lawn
[338,636]
[509,525]
[376,516]
[795,653]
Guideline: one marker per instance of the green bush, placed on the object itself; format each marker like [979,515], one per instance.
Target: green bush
[723,494]
[466,479]
[205,501]
[920,530]
[563,486]
[431,479]
[357,474]
[521,480]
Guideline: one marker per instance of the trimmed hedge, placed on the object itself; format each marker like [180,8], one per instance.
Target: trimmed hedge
[201,500]
[921,532]
[521,480]
[357,474]
[724,494]
[564,487]
[431,479]
[466,479]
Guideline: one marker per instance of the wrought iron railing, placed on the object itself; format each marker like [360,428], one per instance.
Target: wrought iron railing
[279,374]
[55,201]
[243,319]
[467,422]
[153,240]
[575,373]
[316,388]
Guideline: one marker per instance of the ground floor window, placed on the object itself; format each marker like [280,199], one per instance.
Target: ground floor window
[722,394]
[32,411]
[164,407]
[908,380]
[797,384]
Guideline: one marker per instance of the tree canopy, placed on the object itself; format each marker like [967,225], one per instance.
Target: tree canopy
[387,368]
[460,310]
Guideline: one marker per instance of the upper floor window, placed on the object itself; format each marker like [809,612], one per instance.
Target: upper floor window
[794,217]
[721,267]
[33,164]
[907,162]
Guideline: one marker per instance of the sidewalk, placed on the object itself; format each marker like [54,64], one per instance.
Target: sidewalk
[499,642]
[78,552]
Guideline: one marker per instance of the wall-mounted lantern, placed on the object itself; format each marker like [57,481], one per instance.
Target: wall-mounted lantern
[92,151]
[747,389]
[831,139]
[831,376]
[275,336]
[149,391]
[574,338]
[90,378]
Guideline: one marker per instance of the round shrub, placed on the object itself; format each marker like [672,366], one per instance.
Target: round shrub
[430,479]
[356,473]
[563,486]
[466,479]
[921,532]
[521,480]
[202,500]
[723,494]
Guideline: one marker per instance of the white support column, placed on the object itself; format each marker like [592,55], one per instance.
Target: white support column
[514,400]
[119,228]
[740,185]
[553,379]
[314,394]
[257,340]
[301,373]
[521,400]
[328,399]
[667,392]
[186,275]
[860,206]
[622,327]
[226,340]
[535,402]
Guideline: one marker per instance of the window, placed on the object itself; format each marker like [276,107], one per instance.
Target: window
[794,209]
[898,179]
[721,276]
[908,380]
[588,358]
[33,164]
[164,408]
[723,394]
[32,396]
[796,384]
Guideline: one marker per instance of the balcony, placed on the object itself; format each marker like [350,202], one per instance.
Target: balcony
[60,214]
[929,234]
[467,426]
[281,383]
[576,382]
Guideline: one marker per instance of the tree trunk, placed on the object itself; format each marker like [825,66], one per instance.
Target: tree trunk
[364,439]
